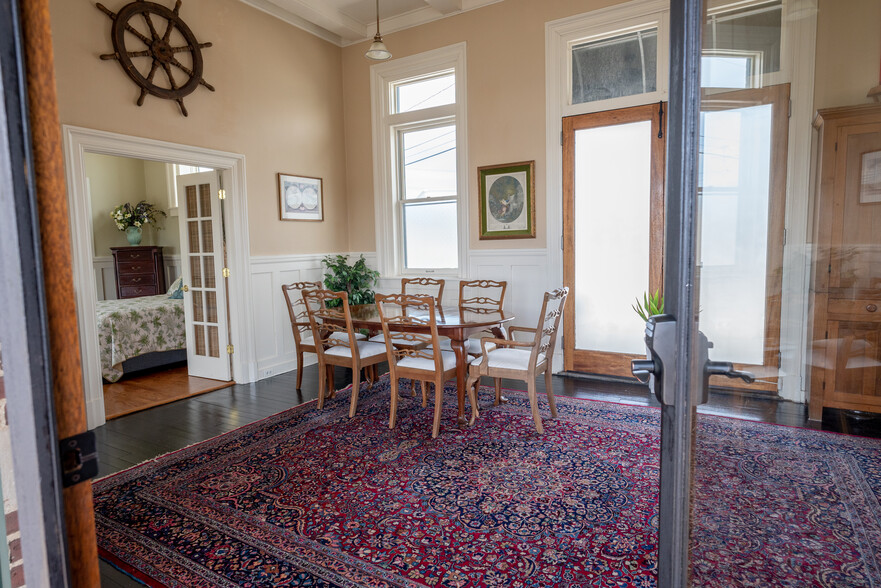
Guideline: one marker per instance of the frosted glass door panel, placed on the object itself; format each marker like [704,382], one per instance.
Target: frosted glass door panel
[734,200]
[612,205]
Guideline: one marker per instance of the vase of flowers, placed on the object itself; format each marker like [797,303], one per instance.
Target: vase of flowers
[132,219]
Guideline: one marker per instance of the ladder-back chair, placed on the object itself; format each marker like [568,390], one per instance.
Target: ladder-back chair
[409,324]
[336,342]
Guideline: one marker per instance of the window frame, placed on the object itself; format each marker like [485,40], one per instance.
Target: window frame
[387,188]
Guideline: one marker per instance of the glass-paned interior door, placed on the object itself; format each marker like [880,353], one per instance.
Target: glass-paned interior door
[742,179]
[613,197]
[202,270]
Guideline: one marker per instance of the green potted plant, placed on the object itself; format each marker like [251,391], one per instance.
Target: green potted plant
[356,280]
[132,219]
[650,305]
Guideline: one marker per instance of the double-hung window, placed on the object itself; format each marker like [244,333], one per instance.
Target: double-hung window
[419,163]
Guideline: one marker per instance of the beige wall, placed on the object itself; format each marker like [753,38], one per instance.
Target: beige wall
[848,52]
[117,180]
[278,102]
[506,102]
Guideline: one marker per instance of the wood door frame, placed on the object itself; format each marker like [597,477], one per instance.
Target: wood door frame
[618,363]
[778,97]
[77,142]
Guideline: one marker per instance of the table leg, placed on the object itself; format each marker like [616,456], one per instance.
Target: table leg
[458,345]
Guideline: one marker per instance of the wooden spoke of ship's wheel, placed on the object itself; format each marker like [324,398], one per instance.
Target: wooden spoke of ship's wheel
[158,48]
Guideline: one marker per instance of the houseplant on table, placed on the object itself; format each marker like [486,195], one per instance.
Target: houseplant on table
[356,280]
[132,219]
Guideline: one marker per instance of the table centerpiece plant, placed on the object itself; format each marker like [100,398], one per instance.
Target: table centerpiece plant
[132,219]
[356,280]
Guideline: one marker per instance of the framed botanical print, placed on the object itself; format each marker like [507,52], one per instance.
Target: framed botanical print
[300,198]
[507,200]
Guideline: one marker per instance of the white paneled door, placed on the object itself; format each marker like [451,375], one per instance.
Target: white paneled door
[202,263]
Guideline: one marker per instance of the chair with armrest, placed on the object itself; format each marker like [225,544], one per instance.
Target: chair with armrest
[337,344]
[409,324]
[524,360]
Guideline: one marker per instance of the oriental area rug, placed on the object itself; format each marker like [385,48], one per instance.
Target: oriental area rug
[313,498]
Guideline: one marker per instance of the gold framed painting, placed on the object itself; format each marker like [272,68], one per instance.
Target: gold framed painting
[507,200]
[300,198]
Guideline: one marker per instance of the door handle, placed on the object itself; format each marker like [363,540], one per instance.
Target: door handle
[643,369]
[726,368]
[185,288]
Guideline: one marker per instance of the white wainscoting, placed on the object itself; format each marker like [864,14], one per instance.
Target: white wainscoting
[105,274]
[526,271]
[275,351]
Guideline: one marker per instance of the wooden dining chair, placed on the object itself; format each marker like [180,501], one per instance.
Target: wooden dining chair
[524,360]
[413,320]
[302,330]
[479,297]
[337,344]
[300,321]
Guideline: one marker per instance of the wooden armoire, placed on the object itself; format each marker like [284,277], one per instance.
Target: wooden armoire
[845,357]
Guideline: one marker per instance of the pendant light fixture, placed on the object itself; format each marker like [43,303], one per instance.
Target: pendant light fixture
[378,51]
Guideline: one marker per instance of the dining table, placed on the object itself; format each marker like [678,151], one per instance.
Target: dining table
[455,322]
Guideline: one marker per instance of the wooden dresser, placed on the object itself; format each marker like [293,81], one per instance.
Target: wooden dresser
[846,288]
[140,271]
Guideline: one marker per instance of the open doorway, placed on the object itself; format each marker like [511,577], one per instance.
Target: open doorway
[143,338]
[230,272]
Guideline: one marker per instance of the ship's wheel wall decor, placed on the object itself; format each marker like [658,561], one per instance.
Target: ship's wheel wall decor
[144,52]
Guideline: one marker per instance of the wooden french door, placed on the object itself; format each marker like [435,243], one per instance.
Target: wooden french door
[613,182]
[613,233]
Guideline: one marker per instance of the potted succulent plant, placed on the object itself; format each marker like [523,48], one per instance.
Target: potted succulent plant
[650,305]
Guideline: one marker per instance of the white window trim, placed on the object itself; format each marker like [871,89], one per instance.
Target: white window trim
[389,245]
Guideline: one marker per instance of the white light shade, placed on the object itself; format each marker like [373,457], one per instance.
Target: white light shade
[378,51]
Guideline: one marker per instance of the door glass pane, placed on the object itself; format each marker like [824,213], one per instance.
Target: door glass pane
[431,239]
[611,68]
[208,265]
[207,237]
[211,306]
[429,157]
[735,199]
[424,93]
[199,331]
[205,200]
[612,190]
[192,203]
[198,306]
[196,271]
[742,41]
[213,341]
[193,233]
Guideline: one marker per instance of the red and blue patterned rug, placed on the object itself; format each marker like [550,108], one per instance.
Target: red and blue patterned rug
[309,498]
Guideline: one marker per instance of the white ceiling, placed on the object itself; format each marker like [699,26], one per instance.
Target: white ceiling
[344,22]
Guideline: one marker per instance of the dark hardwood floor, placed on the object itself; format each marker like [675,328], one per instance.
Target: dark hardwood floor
[135,438]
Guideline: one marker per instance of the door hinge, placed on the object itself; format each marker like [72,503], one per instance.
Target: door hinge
[226,272]
[230,349]
[79,460]
[221,194]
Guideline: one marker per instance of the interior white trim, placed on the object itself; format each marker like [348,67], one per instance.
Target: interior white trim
[77,142]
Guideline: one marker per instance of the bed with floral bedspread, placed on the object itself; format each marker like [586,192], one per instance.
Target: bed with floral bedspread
[136,326]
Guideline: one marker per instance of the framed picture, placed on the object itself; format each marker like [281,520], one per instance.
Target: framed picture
[507,200]
[300,198]
[870,178]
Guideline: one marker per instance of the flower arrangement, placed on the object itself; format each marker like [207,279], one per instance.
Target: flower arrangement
[142,213]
